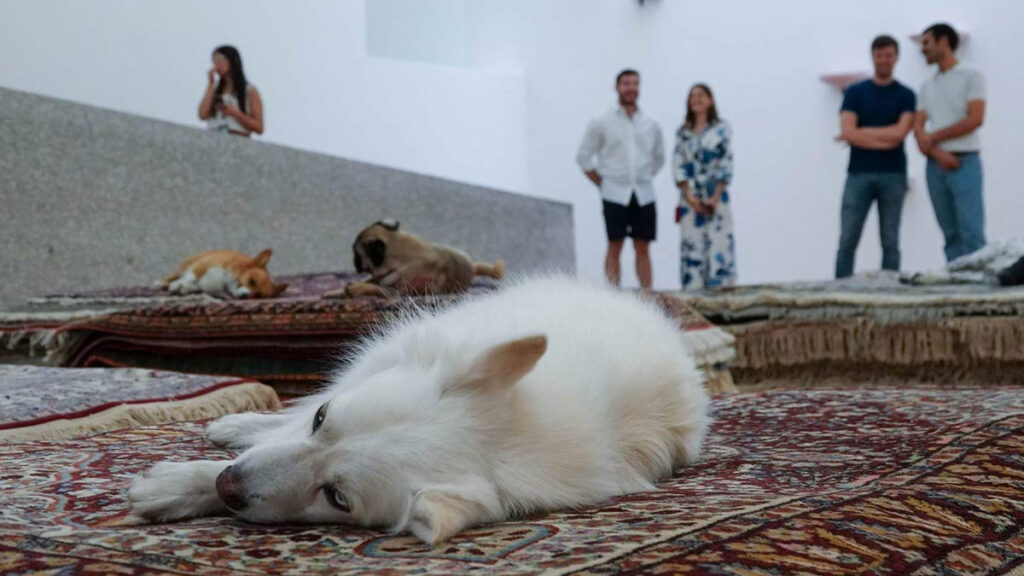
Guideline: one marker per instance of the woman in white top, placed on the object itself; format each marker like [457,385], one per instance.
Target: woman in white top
[231,105]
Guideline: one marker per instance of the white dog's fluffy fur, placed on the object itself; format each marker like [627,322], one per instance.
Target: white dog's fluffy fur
[549,394]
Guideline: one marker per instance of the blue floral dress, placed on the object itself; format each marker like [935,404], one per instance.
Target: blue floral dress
[706,248]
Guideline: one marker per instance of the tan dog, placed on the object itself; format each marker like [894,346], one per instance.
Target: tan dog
[400,262]
[225,272]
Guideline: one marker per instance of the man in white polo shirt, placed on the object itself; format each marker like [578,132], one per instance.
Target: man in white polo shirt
[951,108]
[629,152]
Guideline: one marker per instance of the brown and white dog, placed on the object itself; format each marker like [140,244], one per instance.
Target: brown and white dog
[224,273]
[399,262]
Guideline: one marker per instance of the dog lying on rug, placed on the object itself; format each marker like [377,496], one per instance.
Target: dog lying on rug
[548,394]
[224,273]
[399,262]
[999,263]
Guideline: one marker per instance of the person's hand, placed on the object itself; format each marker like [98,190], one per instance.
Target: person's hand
[949,162]
[839,138]
[230,109]
[211,74]
[697,206]
[926,142]
[711,205]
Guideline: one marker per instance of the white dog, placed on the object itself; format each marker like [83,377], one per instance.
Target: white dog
[546,395]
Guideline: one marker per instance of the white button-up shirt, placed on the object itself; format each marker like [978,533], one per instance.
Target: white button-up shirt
[629,153]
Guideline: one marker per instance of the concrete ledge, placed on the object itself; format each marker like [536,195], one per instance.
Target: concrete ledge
[94,198]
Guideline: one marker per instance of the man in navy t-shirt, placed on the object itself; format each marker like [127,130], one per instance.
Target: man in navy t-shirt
[876,116]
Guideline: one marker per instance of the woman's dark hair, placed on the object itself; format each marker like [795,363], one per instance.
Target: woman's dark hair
[712,111]
[238,83]
[943,30]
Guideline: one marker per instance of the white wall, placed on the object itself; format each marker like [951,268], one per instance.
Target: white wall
[433,31]
[763,60]
[523,80]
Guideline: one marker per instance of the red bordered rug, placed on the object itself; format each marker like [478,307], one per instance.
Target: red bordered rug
[896,481]
[59,403]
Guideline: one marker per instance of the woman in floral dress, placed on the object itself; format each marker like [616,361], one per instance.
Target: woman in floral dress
[703,169]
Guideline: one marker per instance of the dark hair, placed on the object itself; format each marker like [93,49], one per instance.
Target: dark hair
[712,111]
[238,83]
[884,41]
[943,30]
[626,72]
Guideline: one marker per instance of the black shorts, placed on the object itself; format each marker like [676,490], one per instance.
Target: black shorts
[636,221]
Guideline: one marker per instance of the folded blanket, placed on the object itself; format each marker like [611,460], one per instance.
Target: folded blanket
[999,263]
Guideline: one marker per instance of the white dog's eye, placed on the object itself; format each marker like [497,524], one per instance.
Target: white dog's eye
[336,498]
[318,420]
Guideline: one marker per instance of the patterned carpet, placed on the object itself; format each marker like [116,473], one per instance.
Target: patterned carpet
[871,326]
[907,481]
[292,341]
[878,295]
[55,403]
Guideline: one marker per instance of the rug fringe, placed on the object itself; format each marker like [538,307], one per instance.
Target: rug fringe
[718,381]
[244,397]
[711,346]
[50,343]
[957,340]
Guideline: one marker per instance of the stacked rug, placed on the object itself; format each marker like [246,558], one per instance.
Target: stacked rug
[33,331]
[291,342]
[871,326]
[38,403]
[897,481]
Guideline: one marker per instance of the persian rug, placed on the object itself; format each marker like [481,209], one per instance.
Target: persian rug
[878,295]
[873,324]
[42,403]
[33,329]
[48,326]
[894,481]
[291,342]
[309,285]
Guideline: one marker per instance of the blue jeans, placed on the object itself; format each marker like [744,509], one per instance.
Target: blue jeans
[863,188]
[956,198]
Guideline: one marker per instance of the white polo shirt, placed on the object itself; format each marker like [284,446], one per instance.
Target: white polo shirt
[629,153]
[944,99]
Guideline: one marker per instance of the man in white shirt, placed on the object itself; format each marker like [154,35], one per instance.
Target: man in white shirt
[629,152]
[952,108]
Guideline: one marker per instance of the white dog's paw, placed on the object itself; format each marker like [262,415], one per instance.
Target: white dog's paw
[236,430]
[176,491]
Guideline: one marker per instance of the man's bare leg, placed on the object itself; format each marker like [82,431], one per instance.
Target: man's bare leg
[611,262]
[643,263]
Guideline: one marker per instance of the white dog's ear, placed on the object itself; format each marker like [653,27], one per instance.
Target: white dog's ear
[503,365]
[437,514]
